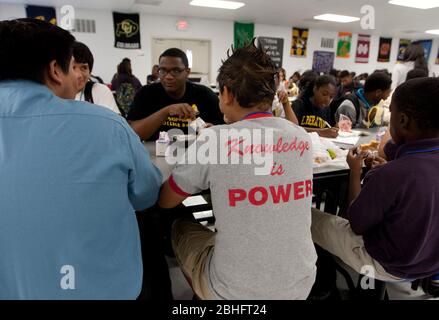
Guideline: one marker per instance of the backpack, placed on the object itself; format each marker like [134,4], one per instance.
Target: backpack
[336,103]
[87,91]
[125,96]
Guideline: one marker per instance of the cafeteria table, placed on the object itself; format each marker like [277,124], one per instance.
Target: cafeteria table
[330,181]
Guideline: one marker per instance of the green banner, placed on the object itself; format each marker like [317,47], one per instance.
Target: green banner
[244,34]
[344,44]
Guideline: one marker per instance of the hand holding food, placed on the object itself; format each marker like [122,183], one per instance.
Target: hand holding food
[181,110]
[355,159]
[369,148]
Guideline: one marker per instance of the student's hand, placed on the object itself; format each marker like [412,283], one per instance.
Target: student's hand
[355,160]
[329,133]
[181,110]
[283,97]
[374,161]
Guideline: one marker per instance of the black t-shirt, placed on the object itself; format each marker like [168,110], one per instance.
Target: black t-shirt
[152,98]
[310,116]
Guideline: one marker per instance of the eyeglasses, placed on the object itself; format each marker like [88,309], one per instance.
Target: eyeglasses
[173,72]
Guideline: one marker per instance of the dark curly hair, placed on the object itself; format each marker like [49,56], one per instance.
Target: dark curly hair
[249,74]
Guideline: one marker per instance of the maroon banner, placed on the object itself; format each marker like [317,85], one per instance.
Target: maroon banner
[363,49]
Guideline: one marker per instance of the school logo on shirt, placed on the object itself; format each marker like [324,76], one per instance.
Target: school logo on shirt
[176,122]
[313,122]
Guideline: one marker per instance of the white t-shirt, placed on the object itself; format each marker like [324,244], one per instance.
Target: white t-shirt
[399,73]
[102,96]
[263,246]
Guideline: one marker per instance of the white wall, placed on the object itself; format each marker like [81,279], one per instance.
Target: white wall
[292,64]
[219,32]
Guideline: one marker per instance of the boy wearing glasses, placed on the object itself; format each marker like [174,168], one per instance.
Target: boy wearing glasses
[168,105]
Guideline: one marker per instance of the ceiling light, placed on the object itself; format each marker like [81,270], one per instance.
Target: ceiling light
[336,18]
[221,4]
[433,31]
[418,4]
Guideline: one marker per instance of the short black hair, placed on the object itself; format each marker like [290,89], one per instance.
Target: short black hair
[378,80]
[175,53]
[249,74]
[334,72]
[82,54]
[27,46]
[419,99]
[416,73]
[344,74]
[324,80]
[311,80]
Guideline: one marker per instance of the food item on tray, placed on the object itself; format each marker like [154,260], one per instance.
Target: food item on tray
[332,154]
[369,147]
[322,159]
[195,108]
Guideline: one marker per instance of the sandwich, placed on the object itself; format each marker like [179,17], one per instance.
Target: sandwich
[369,147]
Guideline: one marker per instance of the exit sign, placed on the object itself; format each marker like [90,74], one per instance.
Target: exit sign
[182,25]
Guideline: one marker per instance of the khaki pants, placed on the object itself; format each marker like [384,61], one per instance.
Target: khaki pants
[192,243]
[335,235]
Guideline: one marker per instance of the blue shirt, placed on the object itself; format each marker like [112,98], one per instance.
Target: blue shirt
[71,176]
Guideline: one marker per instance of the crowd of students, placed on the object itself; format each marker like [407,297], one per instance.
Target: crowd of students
[74,173]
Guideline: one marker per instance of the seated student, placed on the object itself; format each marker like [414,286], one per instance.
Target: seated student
[293,89]
[312,107]
[168,104]
[124,74]
[281,106]
[412,74]
[89,91]
[154,76]
[357,105]
[125,85]
[347,85]
[262,248]
[72,175]
[393,219]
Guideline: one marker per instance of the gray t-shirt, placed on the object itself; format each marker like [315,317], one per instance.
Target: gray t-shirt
[263,247]
[347,108]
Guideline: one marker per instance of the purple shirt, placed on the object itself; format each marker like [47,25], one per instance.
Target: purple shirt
[397,211]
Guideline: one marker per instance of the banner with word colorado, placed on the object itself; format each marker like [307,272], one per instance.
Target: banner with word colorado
[42,13]
[126,30]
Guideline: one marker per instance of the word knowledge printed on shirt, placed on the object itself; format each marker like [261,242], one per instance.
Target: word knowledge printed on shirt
[230,146]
